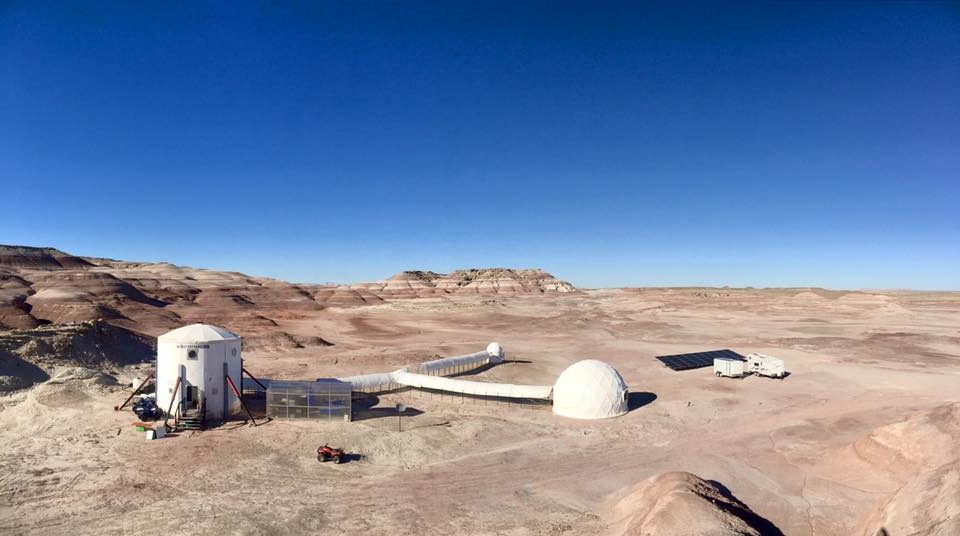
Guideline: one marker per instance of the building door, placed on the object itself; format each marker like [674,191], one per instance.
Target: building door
[193,396]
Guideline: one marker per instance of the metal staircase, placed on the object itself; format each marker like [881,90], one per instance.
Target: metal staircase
[190,419]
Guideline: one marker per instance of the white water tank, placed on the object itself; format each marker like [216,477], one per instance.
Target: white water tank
[590,389]
[202,356]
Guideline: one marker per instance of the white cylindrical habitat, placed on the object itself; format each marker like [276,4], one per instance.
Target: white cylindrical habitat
[201,356]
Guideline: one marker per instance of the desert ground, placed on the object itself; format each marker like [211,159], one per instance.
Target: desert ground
[861,436]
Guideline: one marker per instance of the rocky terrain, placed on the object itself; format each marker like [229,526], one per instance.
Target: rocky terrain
[682,503]
[860,439]
[921,459]
[30,356]
[40,286]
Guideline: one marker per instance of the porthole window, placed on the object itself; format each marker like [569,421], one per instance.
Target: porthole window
[192,354]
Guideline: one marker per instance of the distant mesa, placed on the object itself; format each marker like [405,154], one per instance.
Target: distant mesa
[415,284]
[416,275]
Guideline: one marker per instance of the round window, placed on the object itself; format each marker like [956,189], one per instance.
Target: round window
[192,354]
[233,352]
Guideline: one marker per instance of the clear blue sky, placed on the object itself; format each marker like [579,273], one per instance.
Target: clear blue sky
[611,144]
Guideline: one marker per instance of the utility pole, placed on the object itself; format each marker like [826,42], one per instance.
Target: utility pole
[400,409]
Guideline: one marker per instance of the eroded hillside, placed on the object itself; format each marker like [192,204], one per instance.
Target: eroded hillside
[45,286]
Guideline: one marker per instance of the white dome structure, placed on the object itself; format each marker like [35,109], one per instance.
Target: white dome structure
[198,333]
[590,389]
[496,350]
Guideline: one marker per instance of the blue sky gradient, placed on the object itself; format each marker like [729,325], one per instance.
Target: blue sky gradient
[786,144]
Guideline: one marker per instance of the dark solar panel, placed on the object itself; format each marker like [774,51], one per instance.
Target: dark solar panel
[697,359]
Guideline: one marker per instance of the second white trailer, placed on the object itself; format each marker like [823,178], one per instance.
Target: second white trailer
[765,365]
[731,368]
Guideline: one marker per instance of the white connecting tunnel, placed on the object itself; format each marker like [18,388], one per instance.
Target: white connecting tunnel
[429,375]
[373,383]
[454,365]
[503,390]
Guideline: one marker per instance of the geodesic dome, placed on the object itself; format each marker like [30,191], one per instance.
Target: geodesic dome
[590,389]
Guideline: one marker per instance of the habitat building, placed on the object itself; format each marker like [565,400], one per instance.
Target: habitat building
[198,370]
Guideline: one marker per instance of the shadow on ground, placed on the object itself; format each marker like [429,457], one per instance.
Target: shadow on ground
[741,510]
[346,458]
[366,408]
[380,413]
[639,399]
[16,373]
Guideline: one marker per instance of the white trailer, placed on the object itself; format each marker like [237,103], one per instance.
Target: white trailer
[765,365]
[731,368]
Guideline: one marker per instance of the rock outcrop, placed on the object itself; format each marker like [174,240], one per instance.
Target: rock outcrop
[683,503]
[921,453]
[26,257]
[33,355]
[14,309]
[45,286]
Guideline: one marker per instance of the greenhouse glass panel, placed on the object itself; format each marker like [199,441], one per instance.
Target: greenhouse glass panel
[326,399]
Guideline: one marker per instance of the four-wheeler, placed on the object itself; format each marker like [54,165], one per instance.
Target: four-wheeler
[147,410]
[327,452]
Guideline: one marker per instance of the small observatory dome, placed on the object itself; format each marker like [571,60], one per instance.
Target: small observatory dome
[495,350]
[590,389]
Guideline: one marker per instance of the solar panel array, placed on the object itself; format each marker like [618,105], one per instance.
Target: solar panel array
[697,359]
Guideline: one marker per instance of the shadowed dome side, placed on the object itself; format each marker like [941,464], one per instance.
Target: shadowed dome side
[198,333]
[590,389]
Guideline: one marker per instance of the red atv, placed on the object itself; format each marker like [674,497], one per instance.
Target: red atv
[326,452]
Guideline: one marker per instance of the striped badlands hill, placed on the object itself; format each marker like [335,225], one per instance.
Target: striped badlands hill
[418,284]
[40,286]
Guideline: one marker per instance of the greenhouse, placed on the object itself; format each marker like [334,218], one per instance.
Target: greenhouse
[326,399]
